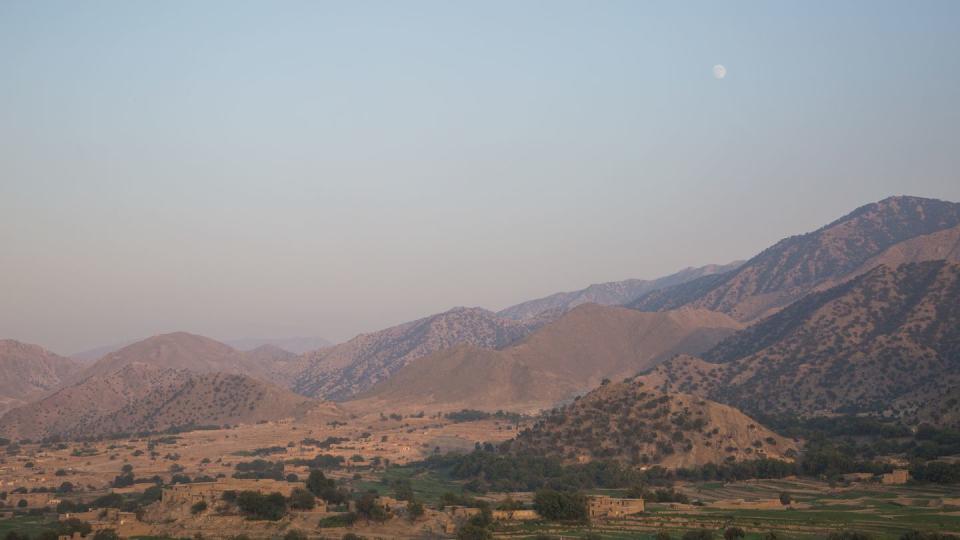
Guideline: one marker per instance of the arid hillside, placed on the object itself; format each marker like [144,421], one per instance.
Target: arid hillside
[29,371]
[797,265]
[629,422]
[614,293]
[143,397]
[568,356]
[890,336]
[344,370]
[182,350]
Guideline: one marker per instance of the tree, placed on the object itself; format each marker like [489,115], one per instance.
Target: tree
[295,535]
[106,534]
[198,507]
[302,499]
[733,533]
[785,498]
[560,505]
[324,488]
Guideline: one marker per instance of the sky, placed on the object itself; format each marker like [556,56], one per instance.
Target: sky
[268,169]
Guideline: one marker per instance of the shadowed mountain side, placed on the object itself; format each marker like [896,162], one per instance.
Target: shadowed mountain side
[28,372]
[631,423]
[568,356]
[890,336]
[342,371]
[797,265]
[613,293]
[142,397]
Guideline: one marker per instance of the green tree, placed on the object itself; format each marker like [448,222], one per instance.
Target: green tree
[302,499]
[560,505]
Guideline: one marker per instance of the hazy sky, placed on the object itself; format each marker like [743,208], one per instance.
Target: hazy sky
[328,168]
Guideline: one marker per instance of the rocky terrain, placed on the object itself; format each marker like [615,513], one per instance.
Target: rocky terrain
[345,370]
[631,423]
[886,342]
[838,251]
[143,397]
[612,293]
[28,372]
[565,357]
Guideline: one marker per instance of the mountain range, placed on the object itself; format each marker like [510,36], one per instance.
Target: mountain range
[885,343]
[798,265]
[565,357]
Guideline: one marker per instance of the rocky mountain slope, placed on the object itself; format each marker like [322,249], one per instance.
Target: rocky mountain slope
[565,357]
[798,265]
[143,397]
[628,422]
[613,293]
[887,341]
[344,370]
[29,371]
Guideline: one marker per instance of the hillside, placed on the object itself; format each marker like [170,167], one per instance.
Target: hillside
[613,293]
[344,370]
[630,423]
[181,350]
[797,265]
[563,358]
[143,397]
[29,371]
[890,336]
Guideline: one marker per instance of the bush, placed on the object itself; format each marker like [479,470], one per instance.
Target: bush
[263,507]
[198,507]
[295,535]
[302,499]
[106,534]
[325,488]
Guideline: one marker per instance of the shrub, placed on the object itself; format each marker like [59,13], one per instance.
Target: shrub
[560,505]
[198,507]
[262,507]
[302,499]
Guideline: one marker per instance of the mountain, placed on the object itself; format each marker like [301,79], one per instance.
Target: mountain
[181,350]
[613,293]
[344,370]
[565,357]
[630,423]
[92,355]
[143,397]
[29,371]
[798,265]
[296,345]
[886,342]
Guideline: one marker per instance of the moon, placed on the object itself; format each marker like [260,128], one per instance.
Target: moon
[719,71]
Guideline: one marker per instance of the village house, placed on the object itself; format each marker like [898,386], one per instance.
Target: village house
[602,506]
[898,476]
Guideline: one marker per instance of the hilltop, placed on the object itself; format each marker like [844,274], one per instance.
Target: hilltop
[631,423]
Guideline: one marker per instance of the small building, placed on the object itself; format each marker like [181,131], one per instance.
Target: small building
[898,476]
[602,506]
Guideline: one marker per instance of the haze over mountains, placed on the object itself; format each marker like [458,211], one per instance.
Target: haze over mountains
[858,316]
[614,293]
